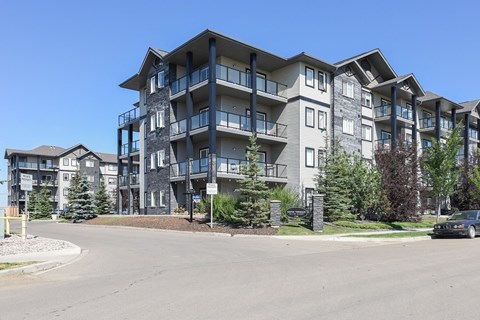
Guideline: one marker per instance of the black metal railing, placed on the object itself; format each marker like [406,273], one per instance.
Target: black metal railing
[386,110]
[128,116]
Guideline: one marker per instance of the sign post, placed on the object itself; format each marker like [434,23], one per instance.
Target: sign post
[212,189]
[25,185]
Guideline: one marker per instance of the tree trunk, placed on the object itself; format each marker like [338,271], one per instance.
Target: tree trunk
[438,208]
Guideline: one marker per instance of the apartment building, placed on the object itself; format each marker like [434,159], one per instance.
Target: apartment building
[54,167]
[199,103]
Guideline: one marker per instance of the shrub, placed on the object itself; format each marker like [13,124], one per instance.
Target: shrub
[288,199]
[224,207]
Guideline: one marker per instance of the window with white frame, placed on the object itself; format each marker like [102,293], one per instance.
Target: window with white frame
[162,198]
[309,117]
[152,84]
[90,178]
[347,88]
[66,161]
[152,161]
[321,157]
[89,163]
[66,177]
[112,180]
[153,199]
[161,79]
[366,132]
[348,126]
[65,191]
[161,119]
[310,157]
[153,122]
[309,77]
[161,158]
[322,81]
[322,120]
[366,99]
[112,167]
[74,162]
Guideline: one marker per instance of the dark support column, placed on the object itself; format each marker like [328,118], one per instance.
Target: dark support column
[38,175]
[414,126]
[393,115]
[17,182]
[466,143]
[212,114]
[119,169]
[437,120]
[129,168]
[454,118]
[478,133]
[253,95]
[188,138]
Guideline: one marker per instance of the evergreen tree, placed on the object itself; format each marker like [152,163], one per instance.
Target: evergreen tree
[83,207]
[439,163]
[103,203]
[467,193]
[253,207]
[32,202]
[73,192]
[44,206]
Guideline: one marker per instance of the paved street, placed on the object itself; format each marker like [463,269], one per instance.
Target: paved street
[149,274]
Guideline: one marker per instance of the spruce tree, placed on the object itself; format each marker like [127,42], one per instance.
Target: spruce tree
[83,207]
[72,196]
[253,207]
[44,206]
[32,202]
[103,204]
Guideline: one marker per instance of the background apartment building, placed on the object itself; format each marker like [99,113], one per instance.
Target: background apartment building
[54,167]
[199,103]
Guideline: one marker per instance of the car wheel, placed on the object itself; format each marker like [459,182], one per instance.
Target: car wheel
[471,232]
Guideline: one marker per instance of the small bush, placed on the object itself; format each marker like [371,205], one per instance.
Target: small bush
[288,199]
[224,207]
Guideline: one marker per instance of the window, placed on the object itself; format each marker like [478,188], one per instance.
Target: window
[162,198]
[322,120]
[321,157]
[310,157]
[348,126]
[366,132]
[203,155]
[347,89]
[65,191]
[161,79]
[161,119]
[112,167]
[366,99]
[66,161]
[74,162]
[322,81]
[153,121]
[152,161]
[308,197]
[309,117]
[161,158]
[152,84]
[65,177]
[153,200]
[90,178]
[89,164]
[309,77]
[112,180]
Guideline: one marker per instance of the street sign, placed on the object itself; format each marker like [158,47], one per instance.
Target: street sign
[212,188]
[26,182]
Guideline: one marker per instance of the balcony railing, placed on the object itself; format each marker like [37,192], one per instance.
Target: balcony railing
[383,144]
[135,147]
[230,75]
[473,133]
[128,116]
[427,123]
[232,121]
[133,177]
[178,169]
[33,165]
[386,110]
[199,166]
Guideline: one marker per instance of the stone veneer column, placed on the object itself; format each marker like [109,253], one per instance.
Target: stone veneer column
[317,216]
[275,213]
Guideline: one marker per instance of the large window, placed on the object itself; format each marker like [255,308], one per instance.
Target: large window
[161,79]
[89,163]
[366,99]
[322,81]
[321,157]
[162,198]
[152,161]
[310,157]
[161,158]
[74,162]
[66,177]
[90,178]
[347,126]
[309,77]
[66,161]
[152,84]
[112,167]
[161,119]
[309,117]
[153,122]
[366,132]
[347,89]
[65,191]
[322,120]
[153,200]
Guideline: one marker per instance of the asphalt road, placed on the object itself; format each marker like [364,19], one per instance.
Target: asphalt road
[145,274]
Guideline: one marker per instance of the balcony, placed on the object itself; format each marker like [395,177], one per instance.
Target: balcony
[128,117]
[473,134]
[135,147]
[229,75]
[384,144]
[429,124]
[33,165]
[227,166]
[231,121]
[403,113]
[133,178]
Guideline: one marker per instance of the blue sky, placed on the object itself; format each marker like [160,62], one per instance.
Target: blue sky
[61,61]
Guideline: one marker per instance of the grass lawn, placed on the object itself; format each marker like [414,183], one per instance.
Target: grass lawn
[406,234]
[9,265]
[300,229]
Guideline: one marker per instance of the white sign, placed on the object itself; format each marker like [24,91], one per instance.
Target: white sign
[212,188]
[26,182]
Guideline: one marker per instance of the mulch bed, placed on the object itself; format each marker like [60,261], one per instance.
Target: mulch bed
[176,223]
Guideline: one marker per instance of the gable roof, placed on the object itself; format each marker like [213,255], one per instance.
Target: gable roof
[71,149]
[43,150]
[469,106]
[139,78]
[431,97]
[409,78]
[376,55]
